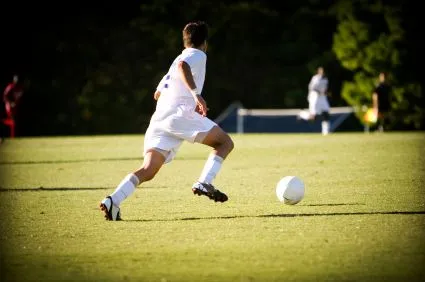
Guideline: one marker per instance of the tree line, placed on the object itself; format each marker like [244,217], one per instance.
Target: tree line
[94,71]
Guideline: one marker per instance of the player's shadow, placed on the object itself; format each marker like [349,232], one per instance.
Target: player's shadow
[65,161]
[77,189]
[284,215]
[47,189]
[86,160]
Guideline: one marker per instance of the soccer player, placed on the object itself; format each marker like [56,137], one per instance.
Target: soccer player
[180,115]
[381,100]
[11,96]
[318,101]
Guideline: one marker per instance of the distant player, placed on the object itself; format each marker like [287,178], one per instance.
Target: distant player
[180,115]
[11,96]
[381,100]
[318,104]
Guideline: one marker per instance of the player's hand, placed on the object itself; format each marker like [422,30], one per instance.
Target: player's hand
[156,95]
[201,105]
[198,110]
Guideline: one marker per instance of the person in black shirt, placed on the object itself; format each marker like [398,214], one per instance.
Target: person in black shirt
[381,100]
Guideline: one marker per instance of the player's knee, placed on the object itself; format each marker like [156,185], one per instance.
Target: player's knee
[224,146]
[230,145]
[227,144]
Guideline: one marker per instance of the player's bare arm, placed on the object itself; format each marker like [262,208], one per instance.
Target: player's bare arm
[187,77]
[157,94]
[375,102]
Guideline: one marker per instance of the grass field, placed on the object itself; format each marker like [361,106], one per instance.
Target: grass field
[362,218]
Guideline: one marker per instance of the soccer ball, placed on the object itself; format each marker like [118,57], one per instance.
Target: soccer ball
[290,190]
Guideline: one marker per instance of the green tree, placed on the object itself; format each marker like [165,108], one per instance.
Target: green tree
[118,83]
[369,40]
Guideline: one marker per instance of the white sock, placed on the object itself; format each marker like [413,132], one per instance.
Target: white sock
[304,115]
[325,127]
[211,168]
[124,189]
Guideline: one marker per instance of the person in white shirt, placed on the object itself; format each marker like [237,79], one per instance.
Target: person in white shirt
[180,115]
[318,104]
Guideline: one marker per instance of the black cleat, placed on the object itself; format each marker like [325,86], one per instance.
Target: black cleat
[209,190]
[111,211]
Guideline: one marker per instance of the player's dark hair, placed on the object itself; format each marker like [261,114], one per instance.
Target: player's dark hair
[195,33]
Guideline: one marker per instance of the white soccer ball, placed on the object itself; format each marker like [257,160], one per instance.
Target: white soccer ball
[290,190]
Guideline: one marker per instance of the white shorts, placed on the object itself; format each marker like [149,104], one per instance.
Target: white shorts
[169,128]
[317,103]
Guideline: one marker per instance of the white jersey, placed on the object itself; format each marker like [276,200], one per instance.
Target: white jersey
[173,91]
[319,84]
[175,119]
[317,88]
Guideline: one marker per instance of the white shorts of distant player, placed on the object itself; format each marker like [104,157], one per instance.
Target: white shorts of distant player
[169,128]
[317,103]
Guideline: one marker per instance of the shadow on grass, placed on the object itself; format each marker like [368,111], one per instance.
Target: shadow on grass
[69,161]
[87,160]
[282,215]
[333,205]
[42,189]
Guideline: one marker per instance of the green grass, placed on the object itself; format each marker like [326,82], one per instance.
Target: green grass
[362,218]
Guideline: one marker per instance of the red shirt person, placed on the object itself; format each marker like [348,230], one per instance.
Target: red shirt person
[11,97]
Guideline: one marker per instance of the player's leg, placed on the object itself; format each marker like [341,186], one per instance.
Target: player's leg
[313,100]
[312,105]
[304,115]
[222,145]
[9,110]
[189,125]
[325,123]
[380,122]
[152,163]
[324,108]
[381,118]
